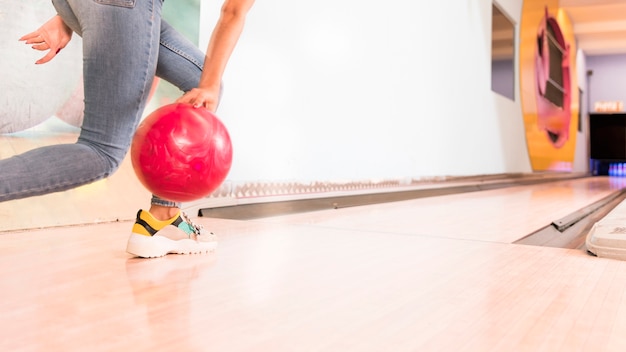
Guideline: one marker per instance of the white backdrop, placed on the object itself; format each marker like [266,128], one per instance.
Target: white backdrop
[351,90]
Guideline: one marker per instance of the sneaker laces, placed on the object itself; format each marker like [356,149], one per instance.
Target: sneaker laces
[197,229]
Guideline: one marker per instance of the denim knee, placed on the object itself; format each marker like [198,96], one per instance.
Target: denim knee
[112,157]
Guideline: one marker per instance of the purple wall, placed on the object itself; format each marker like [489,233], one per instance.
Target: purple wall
[503,78]
[608,81]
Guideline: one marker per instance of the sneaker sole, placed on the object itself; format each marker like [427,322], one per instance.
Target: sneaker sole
[158,246]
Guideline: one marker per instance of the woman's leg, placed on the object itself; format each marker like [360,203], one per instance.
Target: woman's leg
[120,49]
[180,61]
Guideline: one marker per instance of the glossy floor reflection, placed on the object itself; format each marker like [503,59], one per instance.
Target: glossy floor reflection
[434,274]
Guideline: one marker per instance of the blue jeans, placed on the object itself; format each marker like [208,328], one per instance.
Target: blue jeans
[125,44]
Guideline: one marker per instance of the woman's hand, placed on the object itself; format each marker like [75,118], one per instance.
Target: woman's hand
[201,97]
[52,36]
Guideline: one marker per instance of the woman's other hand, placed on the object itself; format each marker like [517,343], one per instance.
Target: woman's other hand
[52,36]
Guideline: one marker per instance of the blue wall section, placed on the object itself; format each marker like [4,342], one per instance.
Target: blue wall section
[608,81]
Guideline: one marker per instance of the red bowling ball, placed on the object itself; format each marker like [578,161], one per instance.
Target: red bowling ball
[181,153]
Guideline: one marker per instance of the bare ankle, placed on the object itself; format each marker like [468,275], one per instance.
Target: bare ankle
[163,213]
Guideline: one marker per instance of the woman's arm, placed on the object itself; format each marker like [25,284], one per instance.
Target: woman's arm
[53,36]
[221,45]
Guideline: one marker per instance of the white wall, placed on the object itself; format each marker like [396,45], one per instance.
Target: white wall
[335,90]
[581,159]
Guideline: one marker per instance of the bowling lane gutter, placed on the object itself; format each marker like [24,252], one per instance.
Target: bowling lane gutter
[275,208]
[571,230]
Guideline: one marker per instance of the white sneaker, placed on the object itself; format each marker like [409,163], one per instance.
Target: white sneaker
[154,238]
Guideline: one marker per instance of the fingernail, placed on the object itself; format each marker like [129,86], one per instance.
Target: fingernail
[58,50]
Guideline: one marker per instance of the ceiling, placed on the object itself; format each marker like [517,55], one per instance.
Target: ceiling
[599,25]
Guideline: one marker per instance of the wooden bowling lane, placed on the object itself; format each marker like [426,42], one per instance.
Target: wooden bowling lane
[499,215]
[353,279]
